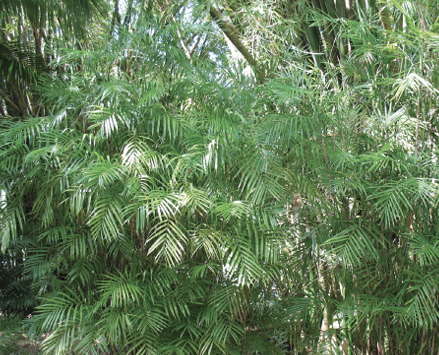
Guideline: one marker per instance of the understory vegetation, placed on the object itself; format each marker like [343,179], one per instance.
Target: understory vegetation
[226,177]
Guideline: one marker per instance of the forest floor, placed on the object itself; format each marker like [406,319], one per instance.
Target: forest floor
[13,338]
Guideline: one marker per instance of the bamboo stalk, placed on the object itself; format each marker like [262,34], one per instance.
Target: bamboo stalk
[8,100]
[312,36]
[232,33]
[116,16]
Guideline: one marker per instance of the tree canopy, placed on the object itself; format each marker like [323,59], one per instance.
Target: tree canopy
[228,177]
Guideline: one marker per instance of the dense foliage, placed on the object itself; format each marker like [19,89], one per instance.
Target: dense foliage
[240,177]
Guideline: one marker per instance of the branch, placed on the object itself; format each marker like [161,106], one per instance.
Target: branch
[232,33]
[195,45]
[183,44]
[8,100]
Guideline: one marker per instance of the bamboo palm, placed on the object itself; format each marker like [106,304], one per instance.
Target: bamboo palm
[189,208]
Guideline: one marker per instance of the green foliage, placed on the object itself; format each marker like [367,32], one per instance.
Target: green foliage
[167,202]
